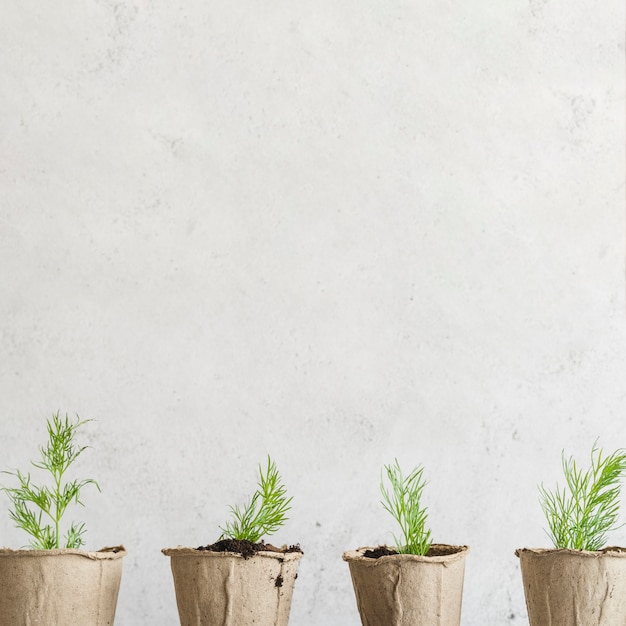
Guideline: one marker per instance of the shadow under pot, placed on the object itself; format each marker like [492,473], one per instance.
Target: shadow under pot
[407,589]
[63,587]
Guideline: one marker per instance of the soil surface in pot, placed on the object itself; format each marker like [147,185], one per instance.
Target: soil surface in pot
[247,548]
[613,549]
[435,550]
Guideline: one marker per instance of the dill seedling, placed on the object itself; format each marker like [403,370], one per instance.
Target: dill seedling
[265,512]
[580,514]
[43,521]
[404,504]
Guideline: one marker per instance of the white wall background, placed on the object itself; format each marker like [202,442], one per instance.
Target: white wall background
[337,232]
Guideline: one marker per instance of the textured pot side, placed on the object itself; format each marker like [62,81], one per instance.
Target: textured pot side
[224,589]
[59,587]
[574,587]
[408,590]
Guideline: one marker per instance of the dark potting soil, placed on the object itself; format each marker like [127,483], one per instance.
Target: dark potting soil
[247,548]
[613,549]
[378,552]
[442,550]
[435,550]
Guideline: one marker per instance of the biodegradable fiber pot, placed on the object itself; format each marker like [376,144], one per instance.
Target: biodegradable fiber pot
[574,587]
[409,590]
[224,589]
[63,587]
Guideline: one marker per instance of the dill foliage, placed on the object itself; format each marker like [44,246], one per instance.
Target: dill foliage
[403,502]
[581,514]
[39,510]
[265,512]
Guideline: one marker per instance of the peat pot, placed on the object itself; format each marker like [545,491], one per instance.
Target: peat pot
[574,587]
[409,590]
[63,587]
[226,589]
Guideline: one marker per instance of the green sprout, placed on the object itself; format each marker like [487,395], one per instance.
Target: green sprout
[43,522]
[580,515]
[403,502]
[265,512]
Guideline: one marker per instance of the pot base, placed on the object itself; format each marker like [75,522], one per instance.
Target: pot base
[226,589]
[574,587]
[406,589]
[68,587]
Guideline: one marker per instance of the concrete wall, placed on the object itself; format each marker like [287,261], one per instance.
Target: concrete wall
[335,232]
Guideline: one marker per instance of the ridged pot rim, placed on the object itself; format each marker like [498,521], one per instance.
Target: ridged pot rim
[608,552]
[352,556]
[182,551]
[107,553]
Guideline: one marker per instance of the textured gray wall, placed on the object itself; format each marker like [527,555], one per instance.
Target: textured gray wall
[337,232]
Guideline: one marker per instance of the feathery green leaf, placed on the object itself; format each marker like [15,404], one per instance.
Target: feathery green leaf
[403,502]
[50,503]
[265,512]
[581,514]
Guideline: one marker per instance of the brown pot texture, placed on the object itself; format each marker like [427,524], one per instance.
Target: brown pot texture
[224,589]
[59,587]
[574,587]
[409,590]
